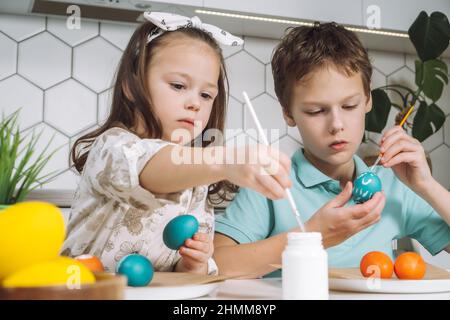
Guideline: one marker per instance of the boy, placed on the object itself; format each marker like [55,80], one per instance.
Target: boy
[322,80]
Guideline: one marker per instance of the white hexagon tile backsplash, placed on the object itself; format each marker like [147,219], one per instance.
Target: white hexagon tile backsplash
[44,60]
[62,79]
[20,28]
[9,54]
[17,92]
[70,107]
[72,37]
[245,73]
[95,62]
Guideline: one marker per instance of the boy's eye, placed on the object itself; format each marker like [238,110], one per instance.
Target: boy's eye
[314,112]
[177,86]
[350,107]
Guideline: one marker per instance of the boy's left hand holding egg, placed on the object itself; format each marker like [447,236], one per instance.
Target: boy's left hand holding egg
[406,156]
[195,254]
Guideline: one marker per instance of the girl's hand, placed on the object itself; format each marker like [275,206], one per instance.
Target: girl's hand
[259,167]
[195,254]
[406,157]
[337,223]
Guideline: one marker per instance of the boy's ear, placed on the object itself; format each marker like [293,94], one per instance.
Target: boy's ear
[369,102]
[288,118]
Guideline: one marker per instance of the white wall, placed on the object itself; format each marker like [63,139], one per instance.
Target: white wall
[62,78]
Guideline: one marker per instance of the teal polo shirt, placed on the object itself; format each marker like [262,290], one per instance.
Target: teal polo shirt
[251,217]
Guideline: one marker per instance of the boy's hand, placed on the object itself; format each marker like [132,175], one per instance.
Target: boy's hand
[406,157]
[338,223]
[195,254]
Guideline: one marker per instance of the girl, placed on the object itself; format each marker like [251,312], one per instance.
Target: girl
[171,78]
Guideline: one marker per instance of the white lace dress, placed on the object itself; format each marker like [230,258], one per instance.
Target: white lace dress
[113,216]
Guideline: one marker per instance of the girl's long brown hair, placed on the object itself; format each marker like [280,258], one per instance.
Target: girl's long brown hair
[131,99]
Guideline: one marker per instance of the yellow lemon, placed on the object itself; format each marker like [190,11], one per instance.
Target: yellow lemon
[30,232]
[58,271]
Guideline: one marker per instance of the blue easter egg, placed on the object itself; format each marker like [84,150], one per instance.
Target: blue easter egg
[365,186]
[178,230]
[137,268]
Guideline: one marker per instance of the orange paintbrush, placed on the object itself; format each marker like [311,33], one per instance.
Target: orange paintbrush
[401,124]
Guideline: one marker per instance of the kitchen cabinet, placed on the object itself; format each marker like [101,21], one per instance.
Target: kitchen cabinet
[193,3]
[342,11]
[399,14]
[394,15]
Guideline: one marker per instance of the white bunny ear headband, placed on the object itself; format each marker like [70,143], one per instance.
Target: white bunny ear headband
[171,22]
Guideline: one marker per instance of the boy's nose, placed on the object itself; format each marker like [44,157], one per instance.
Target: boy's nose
[336,124]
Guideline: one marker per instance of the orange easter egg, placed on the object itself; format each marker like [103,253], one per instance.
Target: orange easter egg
[91,262]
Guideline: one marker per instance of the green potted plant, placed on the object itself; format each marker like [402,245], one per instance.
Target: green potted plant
[430,36]
[18,174]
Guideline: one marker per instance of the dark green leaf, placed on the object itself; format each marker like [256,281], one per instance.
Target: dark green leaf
[419,73]
[428,120]
[381,105]
[431,76]
[430,34]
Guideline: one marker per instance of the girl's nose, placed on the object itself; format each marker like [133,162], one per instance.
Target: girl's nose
[192,107]
[193,104]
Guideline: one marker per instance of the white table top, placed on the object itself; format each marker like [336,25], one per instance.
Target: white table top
[271,289]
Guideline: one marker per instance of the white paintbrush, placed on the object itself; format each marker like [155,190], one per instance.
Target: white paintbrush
[266,142]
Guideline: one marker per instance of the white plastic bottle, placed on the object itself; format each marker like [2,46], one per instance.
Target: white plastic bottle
[305,267]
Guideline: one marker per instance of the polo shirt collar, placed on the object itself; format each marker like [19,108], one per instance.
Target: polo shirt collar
[310,176]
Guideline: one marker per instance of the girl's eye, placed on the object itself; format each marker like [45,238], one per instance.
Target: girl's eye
[206,96]
[350,107]
[177,86]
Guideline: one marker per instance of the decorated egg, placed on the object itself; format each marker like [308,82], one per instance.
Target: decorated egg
[365,186]
[178,230]
[137,268]
[30,232]
[91,262]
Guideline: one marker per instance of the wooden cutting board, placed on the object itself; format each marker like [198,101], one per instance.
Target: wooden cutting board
[108,286]
[173,279]
[432,273]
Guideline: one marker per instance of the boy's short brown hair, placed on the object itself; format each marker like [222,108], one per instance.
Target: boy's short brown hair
[304,49]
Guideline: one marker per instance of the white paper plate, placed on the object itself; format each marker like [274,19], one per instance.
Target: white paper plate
[390,286]
[170,293]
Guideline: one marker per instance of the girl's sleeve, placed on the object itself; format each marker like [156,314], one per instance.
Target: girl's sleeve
[114,163]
